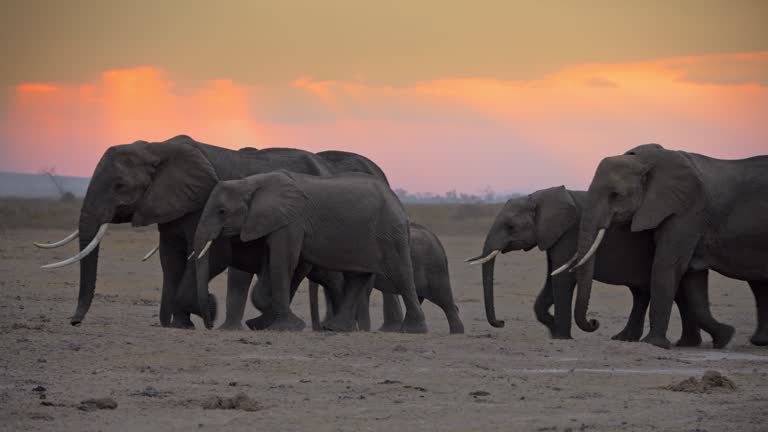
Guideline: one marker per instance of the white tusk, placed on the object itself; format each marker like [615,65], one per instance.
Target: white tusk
[563,267]
[205,249]
[192,254]
[83,253]
[152,252]
[592,249]
[489,257]
[59,243]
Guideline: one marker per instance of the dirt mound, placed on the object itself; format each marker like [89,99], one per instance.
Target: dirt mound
[240,401]
[97,404]
[710,381]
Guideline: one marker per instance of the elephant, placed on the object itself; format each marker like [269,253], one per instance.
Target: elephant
[549,219]
[430,274]
[167,183]
[352,223]
[340,162]
[703,213]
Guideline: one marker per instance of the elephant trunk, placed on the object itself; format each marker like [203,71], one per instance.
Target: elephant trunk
[490,309]
[589,238]
[200,259]
[88,227]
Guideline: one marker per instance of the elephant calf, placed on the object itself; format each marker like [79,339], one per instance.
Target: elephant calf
[549,219]
[430,274]
[348,223]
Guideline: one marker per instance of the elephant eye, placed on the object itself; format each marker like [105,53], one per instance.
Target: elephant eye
[222,211]
[613,196]
[120,187]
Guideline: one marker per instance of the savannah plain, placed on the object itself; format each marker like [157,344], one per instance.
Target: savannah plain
[514,378]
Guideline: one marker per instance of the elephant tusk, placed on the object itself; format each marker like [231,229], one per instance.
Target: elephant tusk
[83,253]
[59,243]
[151,252]
[191,255]
[489,257]
[205,249]
[592,249]
[563,267]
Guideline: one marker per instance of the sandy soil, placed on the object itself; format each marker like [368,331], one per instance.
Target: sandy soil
[513,378]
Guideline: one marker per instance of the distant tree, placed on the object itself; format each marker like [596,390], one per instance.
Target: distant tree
[58,183]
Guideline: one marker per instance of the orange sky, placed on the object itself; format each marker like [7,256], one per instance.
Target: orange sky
[445,128]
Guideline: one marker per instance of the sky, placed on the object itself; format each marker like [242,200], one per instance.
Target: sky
[508,95]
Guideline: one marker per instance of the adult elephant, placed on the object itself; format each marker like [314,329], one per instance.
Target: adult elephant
[168,183]
[352,224]
[704,213]
[549,219]
[339,162]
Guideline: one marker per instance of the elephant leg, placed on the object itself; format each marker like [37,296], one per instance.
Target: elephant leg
[354,286]
[329,302]
[238,283]
[760,291]
[674,248]
[314,307]
[633,330]
[695,292]
[173,263]
[562,294]
[393,313]
[691,333]
[363,309]
[544,301]
[284,248]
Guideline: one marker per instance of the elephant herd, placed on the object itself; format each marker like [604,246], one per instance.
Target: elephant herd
[653,219]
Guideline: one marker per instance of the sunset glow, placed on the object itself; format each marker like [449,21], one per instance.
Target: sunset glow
[514,96]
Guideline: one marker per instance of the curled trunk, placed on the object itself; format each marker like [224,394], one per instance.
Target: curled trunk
[587,234]
[490,309]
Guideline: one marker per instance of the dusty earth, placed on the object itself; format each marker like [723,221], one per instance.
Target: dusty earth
[514,378]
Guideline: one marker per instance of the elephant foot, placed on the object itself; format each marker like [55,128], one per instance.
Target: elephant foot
[337,324]
[234,326]
[413,326]
[287,322]
[689,341]
[182,322]
[659,341]
[759,339]
[626,336]
[456,327]
[213,307]
[391,326]
[260,322]
[722,336]
[560,336]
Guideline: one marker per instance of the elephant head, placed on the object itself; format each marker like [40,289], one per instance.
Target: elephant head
[643,187]
[142,183]
[539,219]
[250,208]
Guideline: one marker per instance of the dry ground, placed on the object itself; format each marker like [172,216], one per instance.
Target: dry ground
[514,378]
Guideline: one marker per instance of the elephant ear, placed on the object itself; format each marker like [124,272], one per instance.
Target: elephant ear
[671,186]
[183,178]
[276,201]
[556,213]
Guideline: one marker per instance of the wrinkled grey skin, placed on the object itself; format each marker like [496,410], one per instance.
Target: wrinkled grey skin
[703,213]
[168,183]
[348,223]
[430,274]
[549,219]
[339,162]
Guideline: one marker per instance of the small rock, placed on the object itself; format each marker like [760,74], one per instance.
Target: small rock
[150,392]
[479,393]
[240,401]
[97,404]
[39,389]
[42,360]
[389,381]
[399,348]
